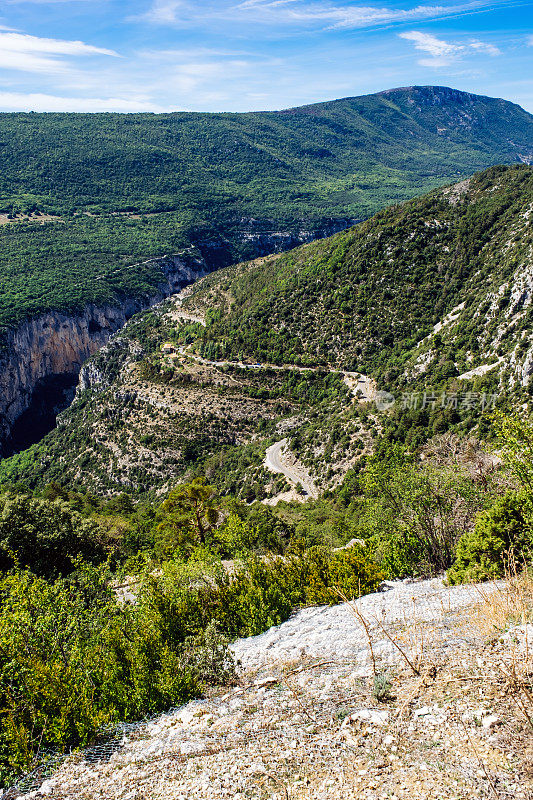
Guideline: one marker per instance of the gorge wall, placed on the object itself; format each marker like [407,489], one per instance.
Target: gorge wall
[42,358]
[55,345]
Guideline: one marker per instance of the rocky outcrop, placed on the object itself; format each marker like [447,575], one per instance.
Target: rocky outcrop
[57,344]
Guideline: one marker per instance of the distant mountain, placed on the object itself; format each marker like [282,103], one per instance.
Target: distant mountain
[346,157]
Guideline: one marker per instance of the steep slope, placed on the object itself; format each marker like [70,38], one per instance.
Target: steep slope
[305,723]
[366,298]
[94,202]
[429,297]
[45,352]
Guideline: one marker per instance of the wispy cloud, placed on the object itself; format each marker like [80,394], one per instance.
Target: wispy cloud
[303,13]
[20,51]
[485,47]
[18,101]
[163,12]
[443,53]
[364,16]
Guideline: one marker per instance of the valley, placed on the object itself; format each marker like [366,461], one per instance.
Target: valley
[86,237]
[52,346]
[210,376]
[273,370]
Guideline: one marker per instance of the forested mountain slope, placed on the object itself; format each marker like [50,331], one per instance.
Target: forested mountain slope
[431,297]
[366,298]
[331,156]
[84,196]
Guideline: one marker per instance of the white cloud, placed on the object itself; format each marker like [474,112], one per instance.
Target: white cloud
[485,47]
[163,12]
[530,41]
[445,53]
[23,42]
[19,51]
[442,53]
[429,43]
[15,101]
[351,16]
[364,16]
[305,13]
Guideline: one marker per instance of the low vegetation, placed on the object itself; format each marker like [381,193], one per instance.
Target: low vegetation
[200,569]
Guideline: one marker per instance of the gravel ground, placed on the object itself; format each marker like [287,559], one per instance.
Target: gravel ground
[305,723]
[335,632]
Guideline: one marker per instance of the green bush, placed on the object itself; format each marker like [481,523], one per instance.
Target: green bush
[208,657]
[47,537]
[413,513]
[501,532]
[260,594]
[73,660]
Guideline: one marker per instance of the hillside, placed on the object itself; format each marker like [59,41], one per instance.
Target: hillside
[327,155]
[85,196]
[304,720]
[432,296]
[365,299]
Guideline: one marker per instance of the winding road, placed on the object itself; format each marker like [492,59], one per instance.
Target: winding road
[275,462]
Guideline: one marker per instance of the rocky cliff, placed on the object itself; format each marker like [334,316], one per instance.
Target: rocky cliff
[57,344]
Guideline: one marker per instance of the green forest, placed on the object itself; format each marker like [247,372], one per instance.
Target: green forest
[364,299]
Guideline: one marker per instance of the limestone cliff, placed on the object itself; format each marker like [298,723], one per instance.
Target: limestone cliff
[57,343]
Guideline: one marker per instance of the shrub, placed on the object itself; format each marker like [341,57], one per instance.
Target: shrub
[73,660]
[208,657]
[414,514]
[45,536]
[500,532]
[382,691]
[260,594]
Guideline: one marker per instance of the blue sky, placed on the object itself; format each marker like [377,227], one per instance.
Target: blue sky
[240,55]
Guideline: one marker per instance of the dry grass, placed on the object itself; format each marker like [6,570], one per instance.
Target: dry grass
[459,721]
[504,604]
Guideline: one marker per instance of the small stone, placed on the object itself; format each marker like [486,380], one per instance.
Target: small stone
[422,712]
[186,716]
[370,715]
[490,722]
[269,681]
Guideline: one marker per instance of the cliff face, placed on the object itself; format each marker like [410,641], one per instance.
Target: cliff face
[57,343]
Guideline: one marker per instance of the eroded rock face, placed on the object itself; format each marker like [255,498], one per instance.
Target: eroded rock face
[58,343]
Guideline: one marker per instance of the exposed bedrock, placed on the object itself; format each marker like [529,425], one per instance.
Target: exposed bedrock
[54,345]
